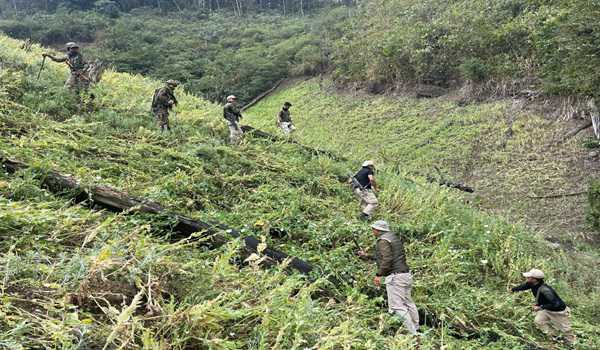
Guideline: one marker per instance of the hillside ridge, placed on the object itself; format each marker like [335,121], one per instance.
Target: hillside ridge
[105,279]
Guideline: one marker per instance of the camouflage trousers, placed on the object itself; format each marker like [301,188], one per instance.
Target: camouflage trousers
[549,321]
[398,287]
[235,133]
[77,83]
[162,118]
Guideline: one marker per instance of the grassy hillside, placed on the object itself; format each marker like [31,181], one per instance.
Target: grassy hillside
[74,277]
[506,150]
[214,55]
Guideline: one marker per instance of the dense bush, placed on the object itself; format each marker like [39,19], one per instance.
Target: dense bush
[401,42]
[214,55]
[56,29]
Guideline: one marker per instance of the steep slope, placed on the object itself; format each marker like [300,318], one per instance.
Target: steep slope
[80,277]
[506,150]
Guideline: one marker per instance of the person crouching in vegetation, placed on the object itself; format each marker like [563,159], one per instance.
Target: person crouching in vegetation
[163,102]
[551,313]
[393,269]
[232,114]
[78,80]
[364,187]
[284,119]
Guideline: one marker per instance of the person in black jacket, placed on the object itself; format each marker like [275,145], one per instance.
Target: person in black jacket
[551,312]
[365,187]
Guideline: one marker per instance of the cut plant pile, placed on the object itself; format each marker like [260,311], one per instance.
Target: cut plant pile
[81,277]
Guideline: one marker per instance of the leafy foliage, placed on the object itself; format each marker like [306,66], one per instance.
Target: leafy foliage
[76,277]
[214,55]
[524,43]
[113,8]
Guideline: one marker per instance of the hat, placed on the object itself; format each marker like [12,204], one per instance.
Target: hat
[287,104]
[172,82]
[71,45]
[534,273]
[231,98]
[368,163]
[381,225]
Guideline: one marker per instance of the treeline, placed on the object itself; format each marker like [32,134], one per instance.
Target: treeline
[115,7]
[502,46]
[493,48]
[214,54]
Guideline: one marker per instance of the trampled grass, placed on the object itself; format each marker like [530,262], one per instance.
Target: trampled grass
[504,149]
[77,277]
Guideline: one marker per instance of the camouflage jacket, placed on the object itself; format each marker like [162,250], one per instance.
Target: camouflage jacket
[231,113]
[161,99]
[76,63]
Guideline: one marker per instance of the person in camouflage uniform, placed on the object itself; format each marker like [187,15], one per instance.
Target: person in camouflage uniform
[163,102]
[232,114]
[78,80]
[284,119]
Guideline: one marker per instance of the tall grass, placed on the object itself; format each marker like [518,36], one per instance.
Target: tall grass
[80,278]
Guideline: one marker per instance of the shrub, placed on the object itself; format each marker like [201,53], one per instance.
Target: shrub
[475,70]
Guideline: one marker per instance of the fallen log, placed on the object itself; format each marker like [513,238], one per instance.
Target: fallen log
[575,131]
[562,195]
[456,185]
[118,201]
[247,129]
[263,95]
[451,184]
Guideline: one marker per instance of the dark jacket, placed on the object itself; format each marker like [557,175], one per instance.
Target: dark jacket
[284,116]
[231,113]
[390,255]
[363,177]
[546,297]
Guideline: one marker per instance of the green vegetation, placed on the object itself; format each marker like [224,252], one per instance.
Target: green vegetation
[66,267]
[502,149]
[594,205]
[213,54]
[501,47]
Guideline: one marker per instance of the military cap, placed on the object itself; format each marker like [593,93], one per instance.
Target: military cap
[172,82]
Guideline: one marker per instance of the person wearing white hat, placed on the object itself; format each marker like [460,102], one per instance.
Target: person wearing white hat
[233,115]
[551,312]
[365,187]
[392,267]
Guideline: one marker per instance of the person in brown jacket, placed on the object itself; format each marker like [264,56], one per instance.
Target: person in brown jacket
[392,268]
